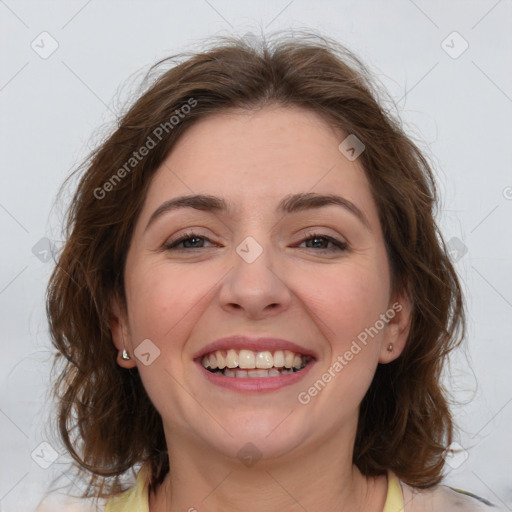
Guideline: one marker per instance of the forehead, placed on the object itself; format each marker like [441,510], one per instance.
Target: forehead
[256,157]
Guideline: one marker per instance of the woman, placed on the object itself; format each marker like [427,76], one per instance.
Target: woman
[254,303]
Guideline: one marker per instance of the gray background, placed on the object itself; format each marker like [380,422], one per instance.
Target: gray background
[458,105]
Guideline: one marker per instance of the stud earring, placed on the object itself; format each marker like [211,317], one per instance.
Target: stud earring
[125,356]
[390,347]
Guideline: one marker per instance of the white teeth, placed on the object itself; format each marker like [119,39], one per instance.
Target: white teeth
[213,361]
[249,364]
[221,360]
[255,374]
[278,359]
[297,361]
[264,360]
[232,359]
[258,373]
[288,358]
[246,359]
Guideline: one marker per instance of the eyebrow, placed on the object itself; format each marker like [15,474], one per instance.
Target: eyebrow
[289,204]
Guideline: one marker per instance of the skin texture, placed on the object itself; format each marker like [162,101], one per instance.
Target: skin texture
[183,300]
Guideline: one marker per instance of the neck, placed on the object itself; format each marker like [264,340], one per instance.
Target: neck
[308,478]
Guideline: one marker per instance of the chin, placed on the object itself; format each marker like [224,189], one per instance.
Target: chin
[258,437]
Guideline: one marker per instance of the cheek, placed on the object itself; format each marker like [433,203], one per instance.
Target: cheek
[162,301]
[347,304]
[163,306]
[348,300]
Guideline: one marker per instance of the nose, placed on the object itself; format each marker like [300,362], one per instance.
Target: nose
[254,288]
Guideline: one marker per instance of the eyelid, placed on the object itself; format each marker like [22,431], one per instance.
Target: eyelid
[340,244]
[322,231]
[189,233]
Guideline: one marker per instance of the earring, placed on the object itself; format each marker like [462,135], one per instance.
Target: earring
[125,356]
[390,347]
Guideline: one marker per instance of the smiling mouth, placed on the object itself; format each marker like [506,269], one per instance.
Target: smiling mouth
[249,364]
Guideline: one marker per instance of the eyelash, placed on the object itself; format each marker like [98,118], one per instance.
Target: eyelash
[340,246]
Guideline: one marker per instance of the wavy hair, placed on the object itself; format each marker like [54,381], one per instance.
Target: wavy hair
[106,420]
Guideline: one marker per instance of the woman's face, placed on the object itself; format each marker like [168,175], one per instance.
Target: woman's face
[313,273]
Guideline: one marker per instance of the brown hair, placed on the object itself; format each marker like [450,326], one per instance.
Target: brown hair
[106,419]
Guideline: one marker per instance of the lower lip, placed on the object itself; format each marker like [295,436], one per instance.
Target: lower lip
[256,384]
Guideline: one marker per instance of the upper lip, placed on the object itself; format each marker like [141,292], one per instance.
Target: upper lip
[240,342]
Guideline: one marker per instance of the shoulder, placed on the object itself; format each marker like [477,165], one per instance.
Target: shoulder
[135,497]
[443,498]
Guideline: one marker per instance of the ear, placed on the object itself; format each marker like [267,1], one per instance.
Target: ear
[120,334]
[399,315]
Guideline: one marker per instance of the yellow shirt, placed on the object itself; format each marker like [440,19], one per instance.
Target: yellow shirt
[136,498]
